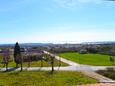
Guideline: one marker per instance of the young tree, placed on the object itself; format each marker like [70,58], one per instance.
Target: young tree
[41,61]
[59,63]
[19,60]
[28,56]
[112,59]
[5,59]
[17,55]
[42,57]
[29,61]
[49,57]
[52,62]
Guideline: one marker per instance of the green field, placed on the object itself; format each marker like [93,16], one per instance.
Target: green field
[43,78]
[89,59]
[35,63]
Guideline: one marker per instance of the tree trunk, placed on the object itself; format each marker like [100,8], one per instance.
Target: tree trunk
[29,64]
[52,67]
[21,67]
[16,65]
[6,67]
[52,63]
[41,63]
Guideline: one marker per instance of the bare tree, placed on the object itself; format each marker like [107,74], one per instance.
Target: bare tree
[29,61]
[19,60]
[50,58]
[52,62]
[42,57]
[59,62]
[5,59]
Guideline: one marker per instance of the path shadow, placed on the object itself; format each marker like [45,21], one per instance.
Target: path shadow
[9,70]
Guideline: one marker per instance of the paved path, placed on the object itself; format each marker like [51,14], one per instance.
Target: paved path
[99,84]
[77,66]
[85,69]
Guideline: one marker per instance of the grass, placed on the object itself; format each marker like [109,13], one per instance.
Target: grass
[36,63]
[89,59]
[43,78]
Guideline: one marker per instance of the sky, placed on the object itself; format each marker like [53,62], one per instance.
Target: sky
[56,21]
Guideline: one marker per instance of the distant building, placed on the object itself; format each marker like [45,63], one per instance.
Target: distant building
[23,49]
[11,51]
[83,51]
[0,50]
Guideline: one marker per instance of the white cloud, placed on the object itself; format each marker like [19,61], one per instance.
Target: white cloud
[63,34]
[77,3]
[66,3]
[69,35]
[87,1]
[14,5]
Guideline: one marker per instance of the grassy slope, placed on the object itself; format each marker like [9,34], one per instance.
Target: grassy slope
[40,78]
[90,59]
[35,63]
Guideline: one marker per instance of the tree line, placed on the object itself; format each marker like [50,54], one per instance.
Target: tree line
[20,57]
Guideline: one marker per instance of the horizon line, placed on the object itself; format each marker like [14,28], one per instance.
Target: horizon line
[72,42]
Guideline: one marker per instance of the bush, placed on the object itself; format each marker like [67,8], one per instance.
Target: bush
[83,51]
[30,58]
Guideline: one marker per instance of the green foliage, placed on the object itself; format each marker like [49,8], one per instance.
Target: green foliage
[89,59]
[43,78]
[16,52]
[112,59]
[61,50]
[16,49]
[92,50]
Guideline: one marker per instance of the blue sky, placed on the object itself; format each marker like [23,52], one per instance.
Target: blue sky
[56,21]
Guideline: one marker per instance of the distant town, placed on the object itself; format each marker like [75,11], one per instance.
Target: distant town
[86,47]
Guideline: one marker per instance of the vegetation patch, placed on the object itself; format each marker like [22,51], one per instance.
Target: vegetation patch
[43,78]
[109,72]
[33,63]
[36,64]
